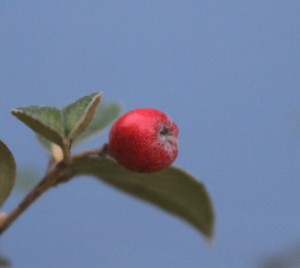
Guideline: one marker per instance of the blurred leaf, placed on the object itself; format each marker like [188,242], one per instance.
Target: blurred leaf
[46,121]
[289,258]
[7,172]
[79,114]
[106,114]
[27,178]
[44,142]
[172,189]
[4,262]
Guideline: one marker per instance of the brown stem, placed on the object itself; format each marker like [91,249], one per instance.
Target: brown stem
[102,152]
[58,173]
[66,151]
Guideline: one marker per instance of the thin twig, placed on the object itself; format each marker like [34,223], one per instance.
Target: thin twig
[57,172]
[66,151]
[51,178]
[102,152]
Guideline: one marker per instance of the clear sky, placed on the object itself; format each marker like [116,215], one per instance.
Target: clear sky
[228,72]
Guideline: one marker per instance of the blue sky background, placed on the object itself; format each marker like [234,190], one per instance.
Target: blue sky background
[227,72]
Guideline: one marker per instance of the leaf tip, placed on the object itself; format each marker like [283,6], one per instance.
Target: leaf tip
[98,96]
[15,111]
[210,236]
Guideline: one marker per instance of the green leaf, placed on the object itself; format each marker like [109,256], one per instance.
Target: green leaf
[106,114]
[79,114]
[57,125]
[172,189]
[7,172]
[46,121]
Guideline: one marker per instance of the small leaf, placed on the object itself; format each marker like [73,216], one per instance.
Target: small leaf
[7,172]
[46,121]
[79,114]
[172,189]
[106,114]
[57,125]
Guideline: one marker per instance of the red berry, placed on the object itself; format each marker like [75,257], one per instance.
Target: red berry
[144,140]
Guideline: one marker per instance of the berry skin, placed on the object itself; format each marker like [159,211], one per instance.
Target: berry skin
[144,140]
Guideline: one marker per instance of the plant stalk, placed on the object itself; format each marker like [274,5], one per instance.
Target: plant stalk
[57,174]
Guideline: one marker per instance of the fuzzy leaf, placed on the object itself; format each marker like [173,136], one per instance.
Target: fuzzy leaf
[57,125]
[79,114]
[46,121]
[106,114]
[7,172]
[172,189]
